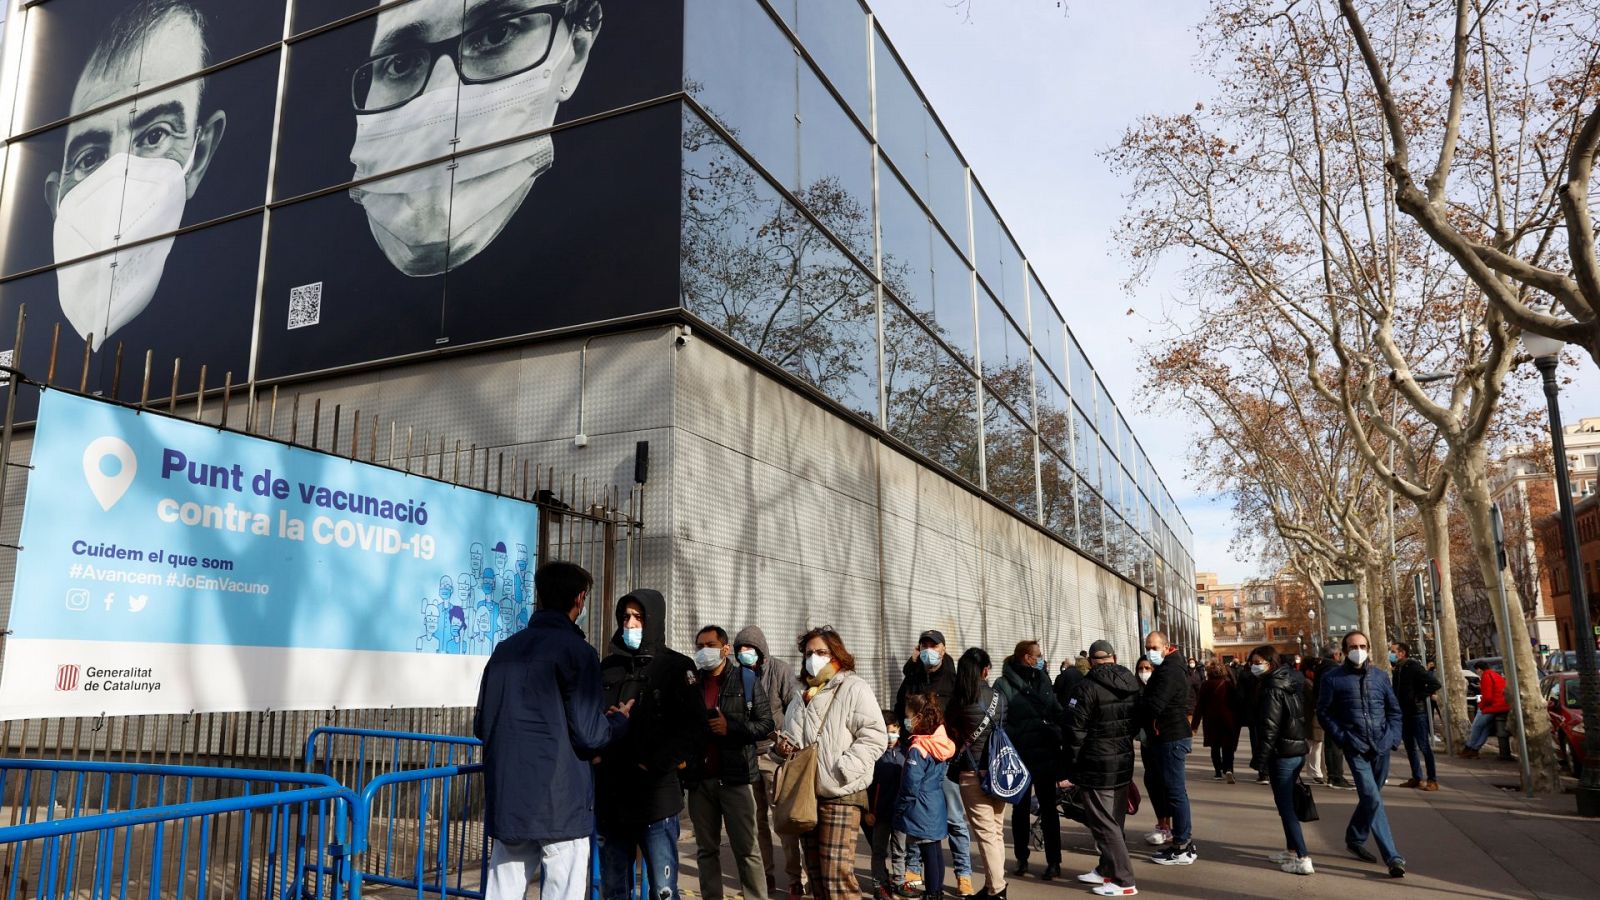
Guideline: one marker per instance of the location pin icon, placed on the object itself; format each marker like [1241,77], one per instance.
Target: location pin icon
[97,458]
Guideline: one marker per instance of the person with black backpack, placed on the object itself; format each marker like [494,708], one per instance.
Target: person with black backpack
[735,715]
[1414,684]
[977,713]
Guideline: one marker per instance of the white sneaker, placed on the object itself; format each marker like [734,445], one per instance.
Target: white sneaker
[1110,889]
[1281,857]
[1093,877]
[1158,837]
[1299,865]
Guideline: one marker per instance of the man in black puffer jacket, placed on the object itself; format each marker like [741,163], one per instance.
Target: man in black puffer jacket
[638,795]
[1097,755]
[1164,712]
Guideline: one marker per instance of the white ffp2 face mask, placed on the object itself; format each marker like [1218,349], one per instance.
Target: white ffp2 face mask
[425,223]
[1358,656]
[127,199]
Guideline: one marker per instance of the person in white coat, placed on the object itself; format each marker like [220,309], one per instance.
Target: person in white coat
[840,715]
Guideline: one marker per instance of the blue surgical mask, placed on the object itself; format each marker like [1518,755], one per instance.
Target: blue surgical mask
[633,637]
[749,658]
[1155,657]
[930,657]
[1393,657]
[1258,668]
[1039,664]
[908,723]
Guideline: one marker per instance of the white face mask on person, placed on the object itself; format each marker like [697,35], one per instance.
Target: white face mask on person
[708,658]
[1357,656]
[1144,676]
[128,198]
[815,664]
[1258,668]
[427,221]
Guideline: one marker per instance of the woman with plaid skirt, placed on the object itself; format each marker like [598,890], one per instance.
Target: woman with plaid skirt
[839,714]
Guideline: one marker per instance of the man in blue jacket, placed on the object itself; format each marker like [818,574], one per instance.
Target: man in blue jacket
[1358,709]
[542,718]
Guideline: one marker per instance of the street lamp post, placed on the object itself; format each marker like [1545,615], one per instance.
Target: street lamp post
[1545,352]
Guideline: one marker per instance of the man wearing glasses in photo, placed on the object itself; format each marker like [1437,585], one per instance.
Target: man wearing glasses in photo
[441,80]
[1359,711]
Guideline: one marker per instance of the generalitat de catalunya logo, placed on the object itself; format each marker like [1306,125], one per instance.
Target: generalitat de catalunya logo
[108,467]
[67,678]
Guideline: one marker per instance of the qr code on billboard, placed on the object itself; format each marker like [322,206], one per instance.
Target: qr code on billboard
[305,305]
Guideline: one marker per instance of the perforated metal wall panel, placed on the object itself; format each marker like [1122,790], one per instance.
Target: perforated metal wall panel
[763,506]
[780,496]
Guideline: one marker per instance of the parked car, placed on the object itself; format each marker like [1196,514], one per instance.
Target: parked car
[1497,663]
[1566,719]
[1561,661]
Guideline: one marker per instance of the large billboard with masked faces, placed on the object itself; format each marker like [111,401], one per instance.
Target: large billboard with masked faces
[289,186]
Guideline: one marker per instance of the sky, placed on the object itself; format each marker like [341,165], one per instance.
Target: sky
[1032,92]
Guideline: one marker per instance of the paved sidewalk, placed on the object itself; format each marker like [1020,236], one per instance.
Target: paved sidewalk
[1469,839]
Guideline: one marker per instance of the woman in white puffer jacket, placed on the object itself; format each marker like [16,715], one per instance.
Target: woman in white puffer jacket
[849,740]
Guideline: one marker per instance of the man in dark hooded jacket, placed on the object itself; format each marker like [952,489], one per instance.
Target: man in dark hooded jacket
[638,794]
[1097,756]
[541,716]
[750,647]
[1033,722]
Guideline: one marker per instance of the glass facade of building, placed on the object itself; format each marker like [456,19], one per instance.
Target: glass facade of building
[831,226]
[290,188]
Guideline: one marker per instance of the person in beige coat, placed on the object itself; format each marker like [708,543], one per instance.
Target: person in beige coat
[840,715]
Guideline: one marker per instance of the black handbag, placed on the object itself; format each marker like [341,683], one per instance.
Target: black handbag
[1305,805]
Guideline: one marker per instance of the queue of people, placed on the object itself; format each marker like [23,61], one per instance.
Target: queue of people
[648,733]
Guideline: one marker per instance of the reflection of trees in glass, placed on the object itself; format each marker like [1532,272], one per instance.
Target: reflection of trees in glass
[1060,504]
[1009,448]
[929,396]
[1091,520]
[754,267]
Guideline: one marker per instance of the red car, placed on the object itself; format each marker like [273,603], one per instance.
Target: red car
[1566,718]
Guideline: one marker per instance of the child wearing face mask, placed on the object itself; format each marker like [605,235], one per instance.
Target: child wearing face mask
[888,847]
[919,810]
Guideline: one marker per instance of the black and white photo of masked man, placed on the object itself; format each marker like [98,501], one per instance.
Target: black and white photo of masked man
[126,176]
[440,78]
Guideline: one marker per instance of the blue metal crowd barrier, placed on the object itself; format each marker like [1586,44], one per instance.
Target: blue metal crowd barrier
[367,751]
[104,830]
[444,795]
[141,828]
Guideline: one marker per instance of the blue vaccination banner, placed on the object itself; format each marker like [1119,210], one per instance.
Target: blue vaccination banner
[170,566]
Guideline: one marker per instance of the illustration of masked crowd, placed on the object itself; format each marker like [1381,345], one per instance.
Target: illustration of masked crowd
[472,612]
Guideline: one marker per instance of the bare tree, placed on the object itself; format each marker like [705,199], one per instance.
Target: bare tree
[1280,191]
[1504,99]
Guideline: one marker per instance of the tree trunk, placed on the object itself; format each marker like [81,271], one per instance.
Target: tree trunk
[1377,622]
[1436,530]
[1472,482]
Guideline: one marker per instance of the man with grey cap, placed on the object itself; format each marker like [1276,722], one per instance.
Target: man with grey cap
[1097,757]
[931,671]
